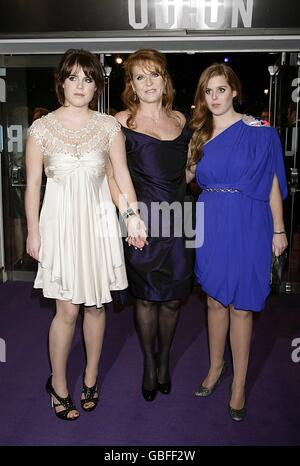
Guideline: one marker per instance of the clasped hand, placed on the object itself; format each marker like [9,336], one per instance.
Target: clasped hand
[136,232]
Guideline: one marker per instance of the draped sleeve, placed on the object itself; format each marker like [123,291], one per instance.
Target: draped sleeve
[263,148]
[278,168]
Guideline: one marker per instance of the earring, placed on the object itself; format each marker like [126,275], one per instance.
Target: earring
[134,96]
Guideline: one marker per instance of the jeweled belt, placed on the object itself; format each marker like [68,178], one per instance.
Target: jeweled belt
[220,190]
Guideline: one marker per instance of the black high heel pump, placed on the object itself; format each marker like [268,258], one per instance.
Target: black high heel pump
[237,414]
[204,391]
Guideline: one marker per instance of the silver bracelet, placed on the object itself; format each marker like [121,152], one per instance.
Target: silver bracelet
[279,232]
[128,213]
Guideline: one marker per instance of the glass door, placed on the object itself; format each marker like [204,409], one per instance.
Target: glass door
[29,94]
[284,99]
[2,100]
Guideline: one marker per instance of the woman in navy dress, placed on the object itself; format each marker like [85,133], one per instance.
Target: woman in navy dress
[157,139]
[238,164]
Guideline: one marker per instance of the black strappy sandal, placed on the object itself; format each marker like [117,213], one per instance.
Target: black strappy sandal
[67,403]
[90,396]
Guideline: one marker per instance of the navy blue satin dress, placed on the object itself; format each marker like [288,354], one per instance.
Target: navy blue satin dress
[163,270]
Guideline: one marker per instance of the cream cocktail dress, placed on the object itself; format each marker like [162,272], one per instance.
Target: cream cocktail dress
[81,255]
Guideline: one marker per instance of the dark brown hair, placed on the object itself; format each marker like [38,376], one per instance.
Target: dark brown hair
[91,67]
[149,59]
[202,121]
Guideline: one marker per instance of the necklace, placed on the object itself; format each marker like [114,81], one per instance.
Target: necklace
[156,120]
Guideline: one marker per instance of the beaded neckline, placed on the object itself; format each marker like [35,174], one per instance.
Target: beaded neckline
[58,125]
[54,138]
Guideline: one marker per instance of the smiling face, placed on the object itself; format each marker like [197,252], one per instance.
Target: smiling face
[78,88]
[219,96]
[147,83]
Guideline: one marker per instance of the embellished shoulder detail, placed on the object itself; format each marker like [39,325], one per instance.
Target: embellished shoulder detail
[111,125]
[38,130]
[254,121]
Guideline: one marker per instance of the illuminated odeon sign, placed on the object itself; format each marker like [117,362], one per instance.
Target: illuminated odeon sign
[190,14]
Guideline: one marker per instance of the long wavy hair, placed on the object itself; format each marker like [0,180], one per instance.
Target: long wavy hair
[148,59]
[91,67]
[202,120]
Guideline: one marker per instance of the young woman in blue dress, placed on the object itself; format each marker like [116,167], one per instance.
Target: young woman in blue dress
[237,160]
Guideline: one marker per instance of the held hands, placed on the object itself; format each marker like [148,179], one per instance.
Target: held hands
[33,244]
[279,243]
[137,233]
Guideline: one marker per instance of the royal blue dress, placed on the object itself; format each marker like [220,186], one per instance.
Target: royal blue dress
[236,173]
[163,270]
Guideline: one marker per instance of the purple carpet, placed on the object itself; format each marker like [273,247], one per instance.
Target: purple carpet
[122,417]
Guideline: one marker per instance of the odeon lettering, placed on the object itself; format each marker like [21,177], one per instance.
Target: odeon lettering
[190,14]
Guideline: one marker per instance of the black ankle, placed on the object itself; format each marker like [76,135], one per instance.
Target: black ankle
[150,374]
[163,373]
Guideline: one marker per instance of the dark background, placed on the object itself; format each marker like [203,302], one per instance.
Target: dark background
[46,16]
[185,69]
